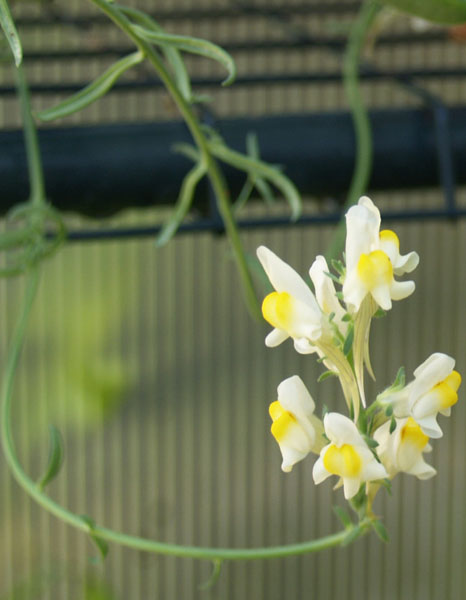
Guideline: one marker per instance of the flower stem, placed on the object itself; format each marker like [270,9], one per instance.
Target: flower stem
[213,171]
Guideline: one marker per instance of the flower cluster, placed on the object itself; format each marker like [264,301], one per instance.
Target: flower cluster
[391,435]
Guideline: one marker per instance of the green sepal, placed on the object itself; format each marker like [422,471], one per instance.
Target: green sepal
[99,542]
[343,516]
[389,410]
[92,92]
[392,424]
[447,12]
[379,313]
[55,459]
[380,530]
[347,346]
[325,375]
[192,45]
[11,34]
[346,318]
[370,441]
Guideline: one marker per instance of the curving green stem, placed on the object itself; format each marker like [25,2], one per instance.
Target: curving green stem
[34,159]
[361,123]
[213,171]
[350,533]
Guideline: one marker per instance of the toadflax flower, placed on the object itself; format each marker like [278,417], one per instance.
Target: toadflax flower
[434,390]
[401,450]
[347,456]
[293,311]
[372,259]
[295,427]
[292,308]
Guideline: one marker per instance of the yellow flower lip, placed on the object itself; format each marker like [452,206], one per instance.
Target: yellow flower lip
[412,434]
[389,236]
[447,390]
[375,269]
[282,421]
[277,308]
[344,461]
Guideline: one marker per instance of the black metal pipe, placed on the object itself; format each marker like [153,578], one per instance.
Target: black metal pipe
[100,170]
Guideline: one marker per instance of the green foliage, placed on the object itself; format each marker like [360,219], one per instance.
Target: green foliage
[92,92]
[11,34]
[99,542]
[55,460]
[448,12]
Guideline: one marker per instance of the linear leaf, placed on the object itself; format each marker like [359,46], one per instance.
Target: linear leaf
[439,11]
[190,44]
[11,34]
[172,55]
[55,460]
[260,169]
[183,204]
[93,91]
[99,542]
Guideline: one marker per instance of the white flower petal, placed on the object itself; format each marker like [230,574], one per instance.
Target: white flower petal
[406,263]
[295,398]
[362,231]
[319,472]
[341,430]
[399,290]
[324,288]
[276,337]
[351,487]
[433,370]
[285,279]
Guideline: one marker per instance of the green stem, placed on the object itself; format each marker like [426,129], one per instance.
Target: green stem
[138,543]
[360,117]
[34,159]
[213,171]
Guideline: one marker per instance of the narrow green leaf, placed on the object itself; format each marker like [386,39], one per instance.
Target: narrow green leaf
[325,375]
[346,317]
[11,34]
[379,313]
[392,424]
[260,169]
[216,569]
[380,530]
[99,542]
[439,11]
[55,459]
[343,516]
[389,410]
[400,378]
[371,442]
[172,55]
[185,198]
[93,91]
[348,341]
[192,45]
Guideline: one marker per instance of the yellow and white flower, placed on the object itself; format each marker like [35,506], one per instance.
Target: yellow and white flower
[295,427]
[293,311]
[347,456]
[292,308]
[373,259]
[401,450]
[434,390]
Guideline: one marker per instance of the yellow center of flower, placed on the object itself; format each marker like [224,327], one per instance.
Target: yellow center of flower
[343,461]
[375,269]
[413,434]
[277,308]
[447,390]
[389,236]
[282,420]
